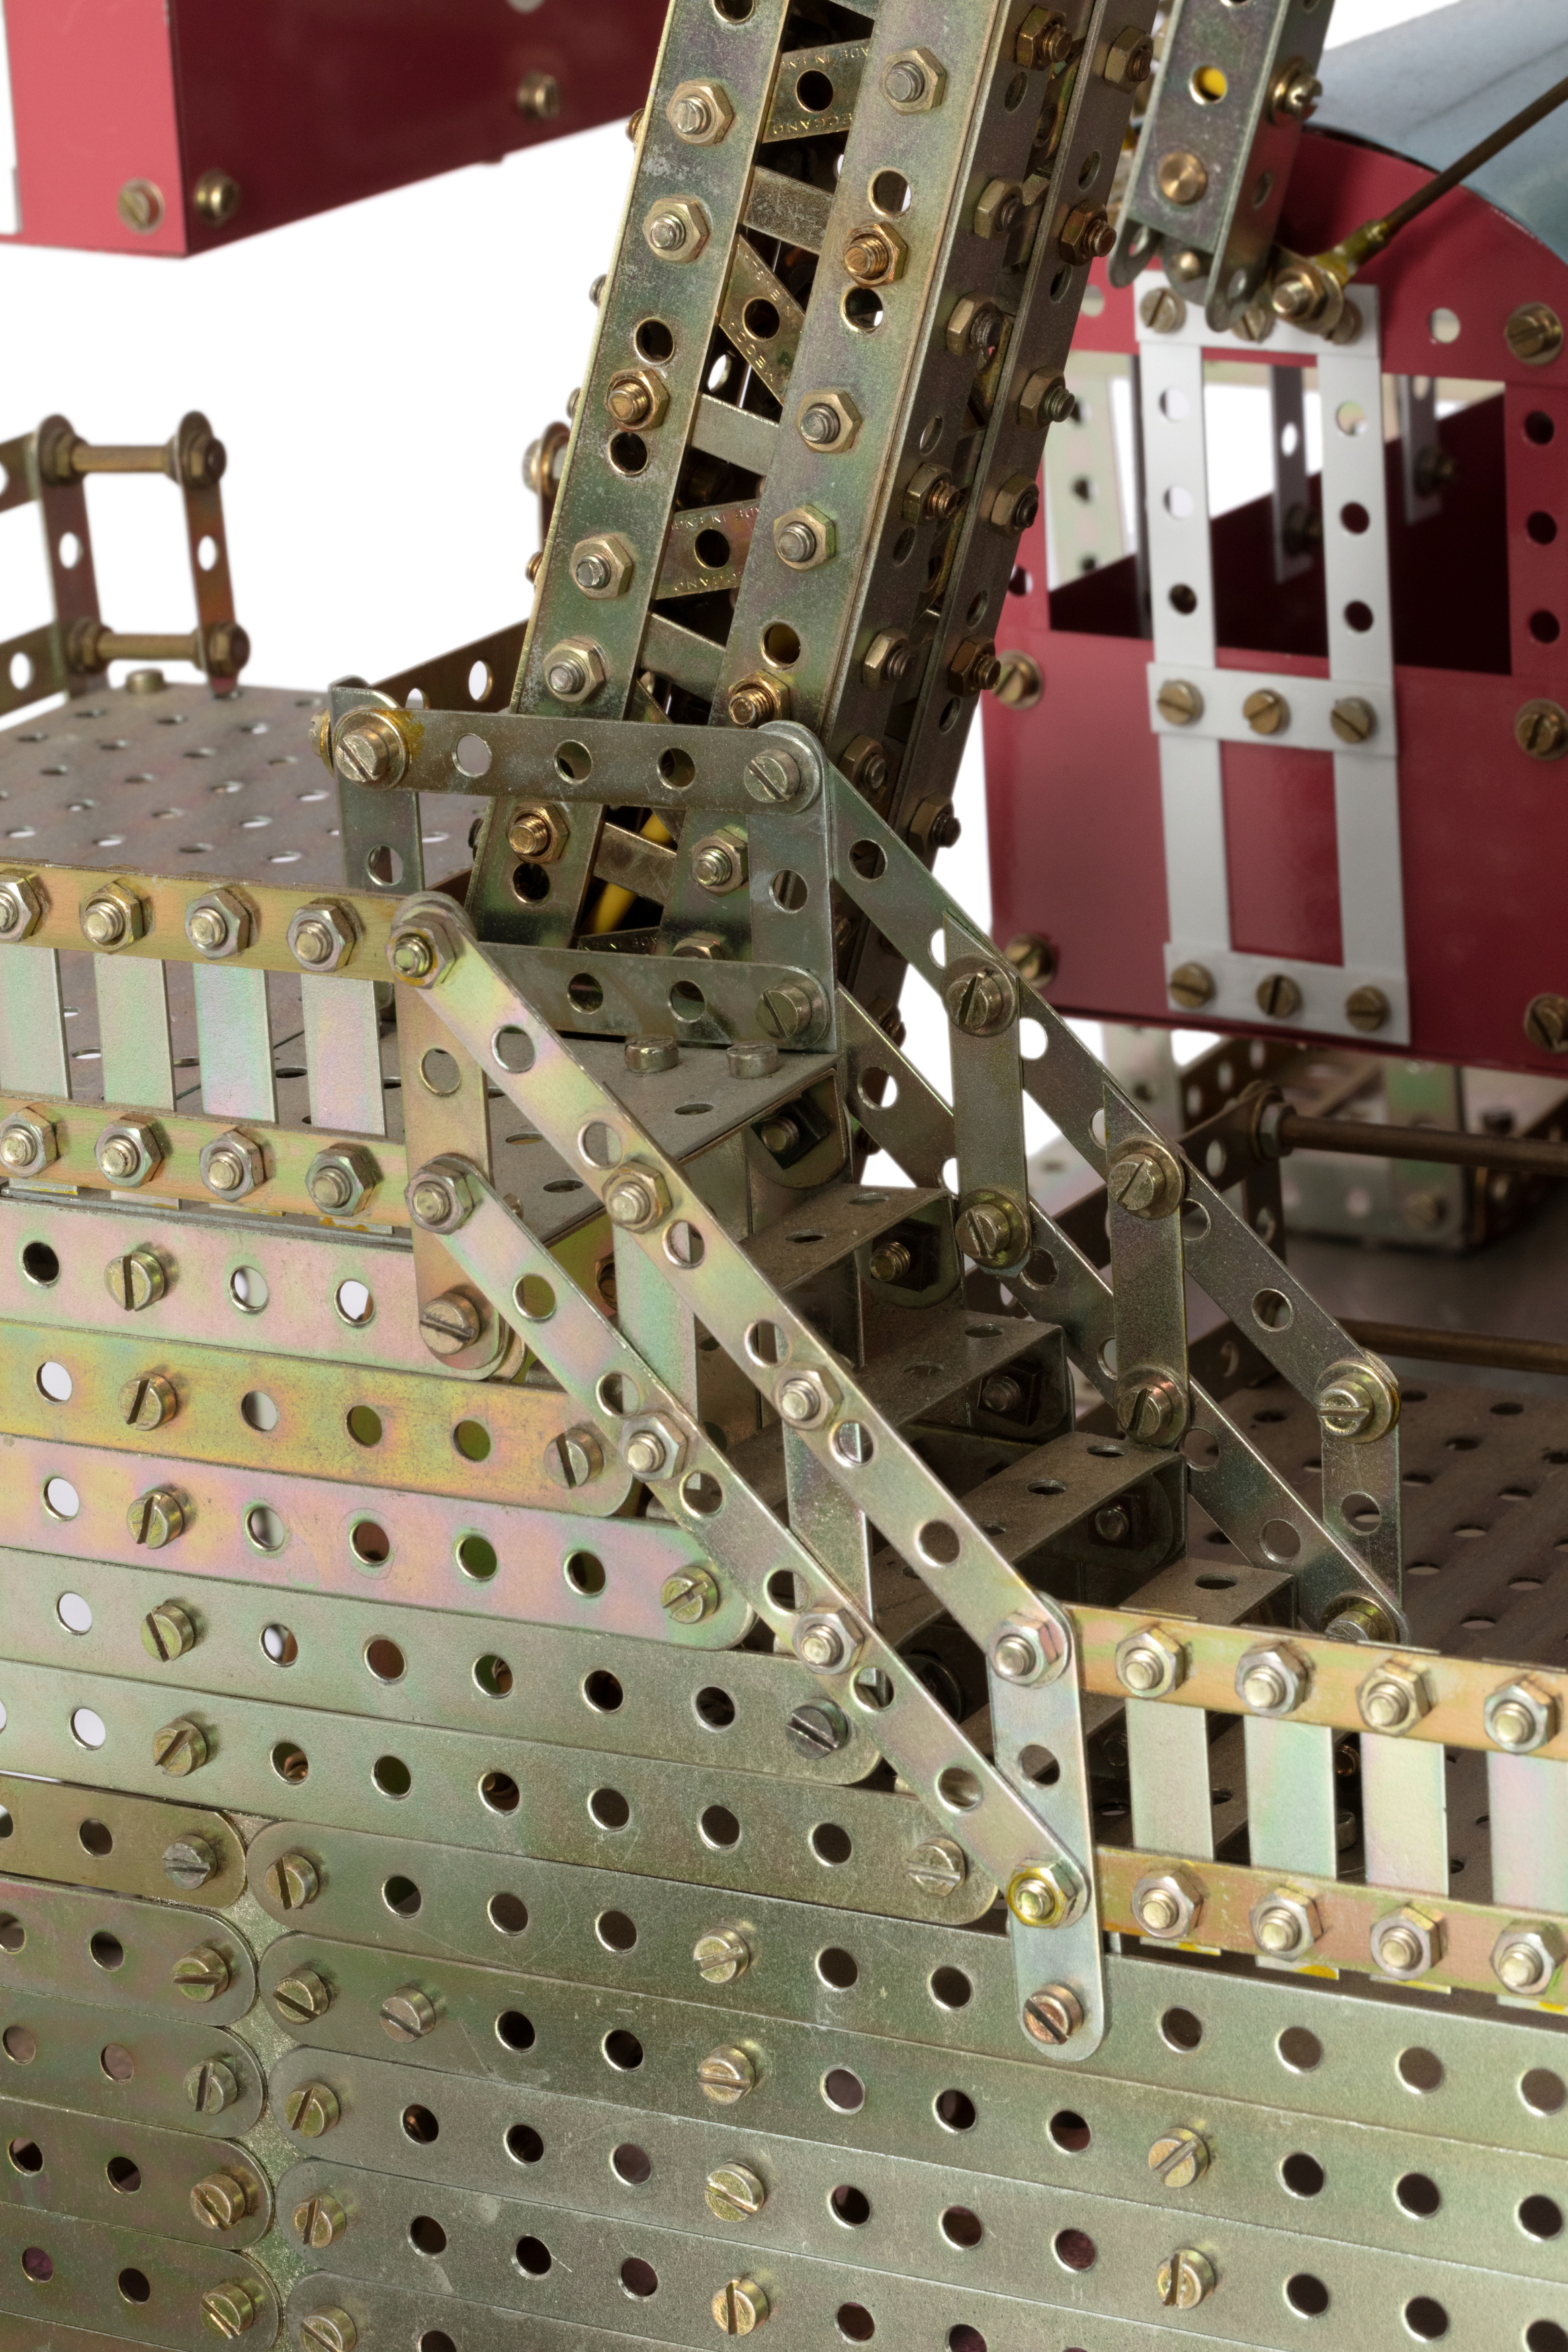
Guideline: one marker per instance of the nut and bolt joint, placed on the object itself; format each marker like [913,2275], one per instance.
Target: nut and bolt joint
[1393,1698]
[29,1144]
[1272,1680]
[340,1179]
[807,1398]
[654,1448]
[720,863]
[1408,1942]
[1521,1717]
[636,1199]
[442,1197]
[1145,1178]
[1047,1894]
[1149,1664]
[1166,1904]
[826,1640]
[113,917]
[574,669]
[1285,1924]
[323,937]
[233,1165]
[914,82]
[22,906]
[1524,1960]
[129,1154]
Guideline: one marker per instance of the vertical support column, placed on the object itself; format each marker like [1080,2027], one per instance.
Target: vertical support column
[1527,1797]
[234,1041]
[343,1055]
[988,1086]
[1290,1796]
[1147,1278]
[1167,1762]
[1404,1814]
[445,1110]
[32,1022]
[133,1032]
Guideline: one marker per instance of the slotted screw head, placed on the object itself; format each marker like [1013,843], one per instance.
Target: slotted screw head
[221,2200]
[1162,311]
[774,776]
[203,1974]
[368,748]
[740,2306]
[727,2075]
[302,1997]
[1541,729]
[1266,711]
[992,1229]
[1353,719]
[574,1458]
[321,2220]
[1278,996]
[1179,2157]
[733,2192]
[1546,1023]
[212,2087]
[292,1880]
[450,1323]
[1185,2279]
[311,2110]
[722,1954]
[233,2309]
[409,2014]
[817,1728]
[168,1631]
[1366,1008]
[688,1596]
[332,2329]
[1053,2015]
[938,1865]
[179,1748]
[191,1861]
[1534,333]
[651,1053]
[1145,1178]
[1178,703]
[978,1002]
[788,1011]
[1190,985]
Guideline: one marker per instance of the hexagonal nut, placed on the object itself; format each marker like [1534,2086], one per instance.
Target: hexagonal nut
[1149,1664]
[675,229]
[129,1152]
[323,936]
[636,1199]
[1130,59]
[440,1195]
[1167,1903]
[974,328]
[22,906]
[997,209]
[342,1177]
[574,669]
[233,1164]
[637,399]
[1016,504]
[1407,1942]
[539,831]
[699,112]
[973,666]
[372,747]
[217,924]
[1285,1924]
[827,1639]
[721,863]
[1048,1894]
[828,421]
[1394,1698]
[1086,235]
[113,917]
[29,1144]
[1521,1717]
[422,949]
[886,660]
[654,1448]
[876,255]
[1272,1679]
[602,566]
[1044,38]
[804,538]
[1526,1958]
[1046,400]
[914,82]
[807,1397]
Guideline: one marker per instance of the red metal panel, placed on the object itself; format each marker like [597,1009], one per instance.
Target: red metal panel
[1073,785]
[306,104]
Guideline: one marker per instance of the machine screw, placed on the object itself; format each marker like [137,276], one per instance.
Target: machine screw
[1278,996]
[450,1323]
[1182,178]
[1542,730]
[874,256]
[341,1179]
[677,230]
[722,1954]
[1145,1178]
[700,113]
[221,2200]
[212,2087]
[689,1596]
[1353,720]
[311,2110]
[1366,1008]
[368,749]
[1546,1023]
[574,669]
[1053,2015]
[333,2330]
[1285,1924]
[775,777]
[1358,1401]
[1295,94]
[574,1458]
[442,1198]
[1408,1943]
[1167,1903]
[636,1199]
[1525,1959]
[1046,1894]
[156,1519]
[1534,333]
[1162,310]
[803,539]
[1112,1524]
[1178,703]
[1521,1717]
[980,1003]
[913,82]
[1272,1680]
[1150,1664]
[790,1011]
[179,1748]
[27,1145]
[1032,958]
[21,906]
[1393,1699]
[233,2309]
[720,863]
[113,917]
[323,937]
[825,1641]
[756,701]
[168,1631]
[740,2306]
[733,2192]
[938,1866]
[726,2075]
[807,1399]
[203,1974]
[409,2014]
[292,1880]
[992,1229]
[1185,2279]
[1088,233]
[1190,985]
[1179,2157]
[233,1165]
[1267,712]
[321,2220]
[648,1054]
[1150,1409]
[817,1728]
[419,956]
[129,1152]
[218,924]
[191,1862]
[1357,1617]
[302,1997]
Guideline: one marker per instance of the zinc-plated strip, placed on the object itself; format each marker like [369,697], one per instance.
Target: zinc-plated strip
[66,890]
[1527,1797]
[75,2176]
[32,1022]
[1405,1816]
[444,1110]
[235,1040]
[735,434]
[1197,853]
[133,1033]
[57,1958]
[67,2068]
[46,1819]
[1168,1763]
[1147,1289]
[987,1092]
[771,357]
[796,211]
[89,2262]
[342,1057]
[1175,466]
[1291,1807]
[378,832]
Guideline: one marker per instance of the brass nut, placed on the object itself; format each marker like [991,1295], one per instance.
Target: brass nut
[931,495]
[1534,333]
[602,566]
[1293,93]
[1144,1177]
[1044,38]
[22,906]
[168,1631]
[1047,1894]
[156,1519]
[341,1179]
[1166,1904]
[974,329]
[875,255]
[113,917]
[1521,1717]
[913,82]
[1046,400]
[676,230]
[1190,985]
[574,669]
[233,1165]
[804,538]
[218,924]
[1285,1924]
[1272,1679]
[1130,59]
[1541,728]
[1016,504]
[1408,1942]
[864,762]
[1266,711]
[998,208]
[1393,1698]
[323,936]
[1088,233]
[371,747]
[1182,177]
[203,1974]
[179,1748]
[639,398]
[29,1144]
[137,1279]
[699,112]
[1149,1664]
[828,421]
[1177,702]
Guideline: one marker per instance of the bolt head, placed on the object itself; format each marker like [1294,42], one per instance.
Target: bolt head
[409,2014]
[1145,1178]
[1179,2157]
[1167,1903]
[179,1747]
[733,2192]
[451,1322]
[233,2309]
[1182,178]
[333,2330]
[156,1519]
[690,1596]
[721,1956]
[1272,1679]
[319,2221]
[726,2075]
[1047,1895]
[203,1974]
[1367,1009]
[1358,1398]
[1521,1717]
[938,1865]
[311,2110]
[292,1880]
[1541,728]
[221,2200]
[1266,713]
[1534,333]
[1149,1664]
[1053,2015]
[1178,703]
[369,748]
[191,1862]
[992,1229]
[212,2087]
